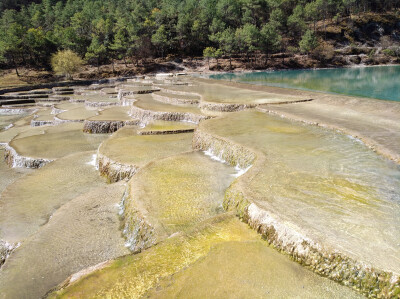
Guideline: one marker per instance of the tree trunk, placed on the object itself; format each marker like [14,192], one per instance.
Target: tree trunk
[113,65]
[23,59]
[98,65]
[230,62]
[126,65]
[15,65]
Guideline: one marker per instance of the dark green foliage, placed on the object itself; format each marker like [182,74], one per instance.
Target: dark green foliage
[104,30]
[308,42]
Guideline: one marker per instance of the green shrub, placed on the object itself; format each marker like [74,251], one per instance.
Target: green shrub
[66,63]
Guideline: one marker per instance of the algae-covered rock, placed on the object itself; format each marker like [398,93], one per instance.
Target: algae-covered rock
[125,152]
[173,194]
[220,258]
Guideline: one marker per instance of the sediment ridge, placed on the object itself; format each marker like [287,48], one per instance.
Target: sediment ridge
[13,159]
[106,126]
[114,171]
[174,100]
[149,115]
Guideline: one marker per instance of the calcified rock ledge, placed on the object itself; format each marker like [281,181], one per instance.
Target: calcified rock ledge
[149,115]
[13,159]
[58,120]
[100,104]
[139,233]
[5,250]
[222,107]
[56,99]
[38,123]
[231,107]
[165,132]
[326,262]
[106,126]
[123,93]
[55,110]
[9,111]
[75,100]
[174,101]
[114,171]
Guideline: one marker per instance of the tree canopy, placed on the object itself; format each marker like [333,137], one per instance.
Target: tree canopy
[103,30]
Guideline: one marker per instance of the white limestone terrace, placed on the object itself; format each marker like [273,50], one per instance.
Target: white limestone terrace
[318,195]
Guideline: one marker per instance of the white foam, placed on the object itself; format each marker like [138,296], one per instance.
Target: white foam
[240,171]
[93,161]
[8,127]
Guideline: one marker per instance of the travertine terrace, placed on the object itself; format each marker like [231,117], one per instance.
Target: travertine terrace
[137,188]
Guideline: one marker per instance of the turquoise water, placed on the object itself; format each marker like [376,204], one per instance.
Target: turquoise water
[380,82]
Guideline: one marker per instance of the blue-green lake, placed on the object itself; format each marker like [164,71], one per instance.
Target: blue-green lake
[380,82]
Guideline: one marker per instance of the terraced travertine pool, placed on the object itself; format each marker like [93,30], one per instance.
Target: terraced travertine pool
[310,177]
[141,195]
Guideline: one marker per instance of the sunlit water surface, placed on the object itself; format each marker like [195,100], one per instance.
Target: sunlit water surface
[380,82]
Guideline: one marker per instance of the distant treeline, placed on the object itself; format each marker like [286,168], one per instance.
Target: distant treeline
[103,30]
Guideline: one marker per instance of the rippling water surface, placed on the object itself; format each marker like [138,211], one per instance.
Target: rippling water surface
[380,82]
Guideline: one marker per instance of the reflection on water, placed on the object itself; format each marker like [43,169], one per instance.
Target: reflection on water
[379,82]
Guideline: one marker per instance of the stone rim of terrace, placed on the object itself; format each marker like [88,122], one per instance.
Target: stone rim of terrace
[166,127]
[109,120]
[145,108]
[176,99]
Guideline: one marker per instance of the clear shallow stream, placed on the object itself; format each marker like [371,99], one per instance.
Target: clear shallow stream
[380,82]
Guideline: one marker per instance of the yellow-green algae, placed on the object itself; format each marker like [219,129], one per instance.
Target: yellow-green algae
[159,205]
[247,270]
[194,253]
[133,275]
[318,186]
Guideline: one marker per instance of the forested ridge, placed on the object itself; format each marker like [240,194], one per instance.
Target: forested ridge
[101,31]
